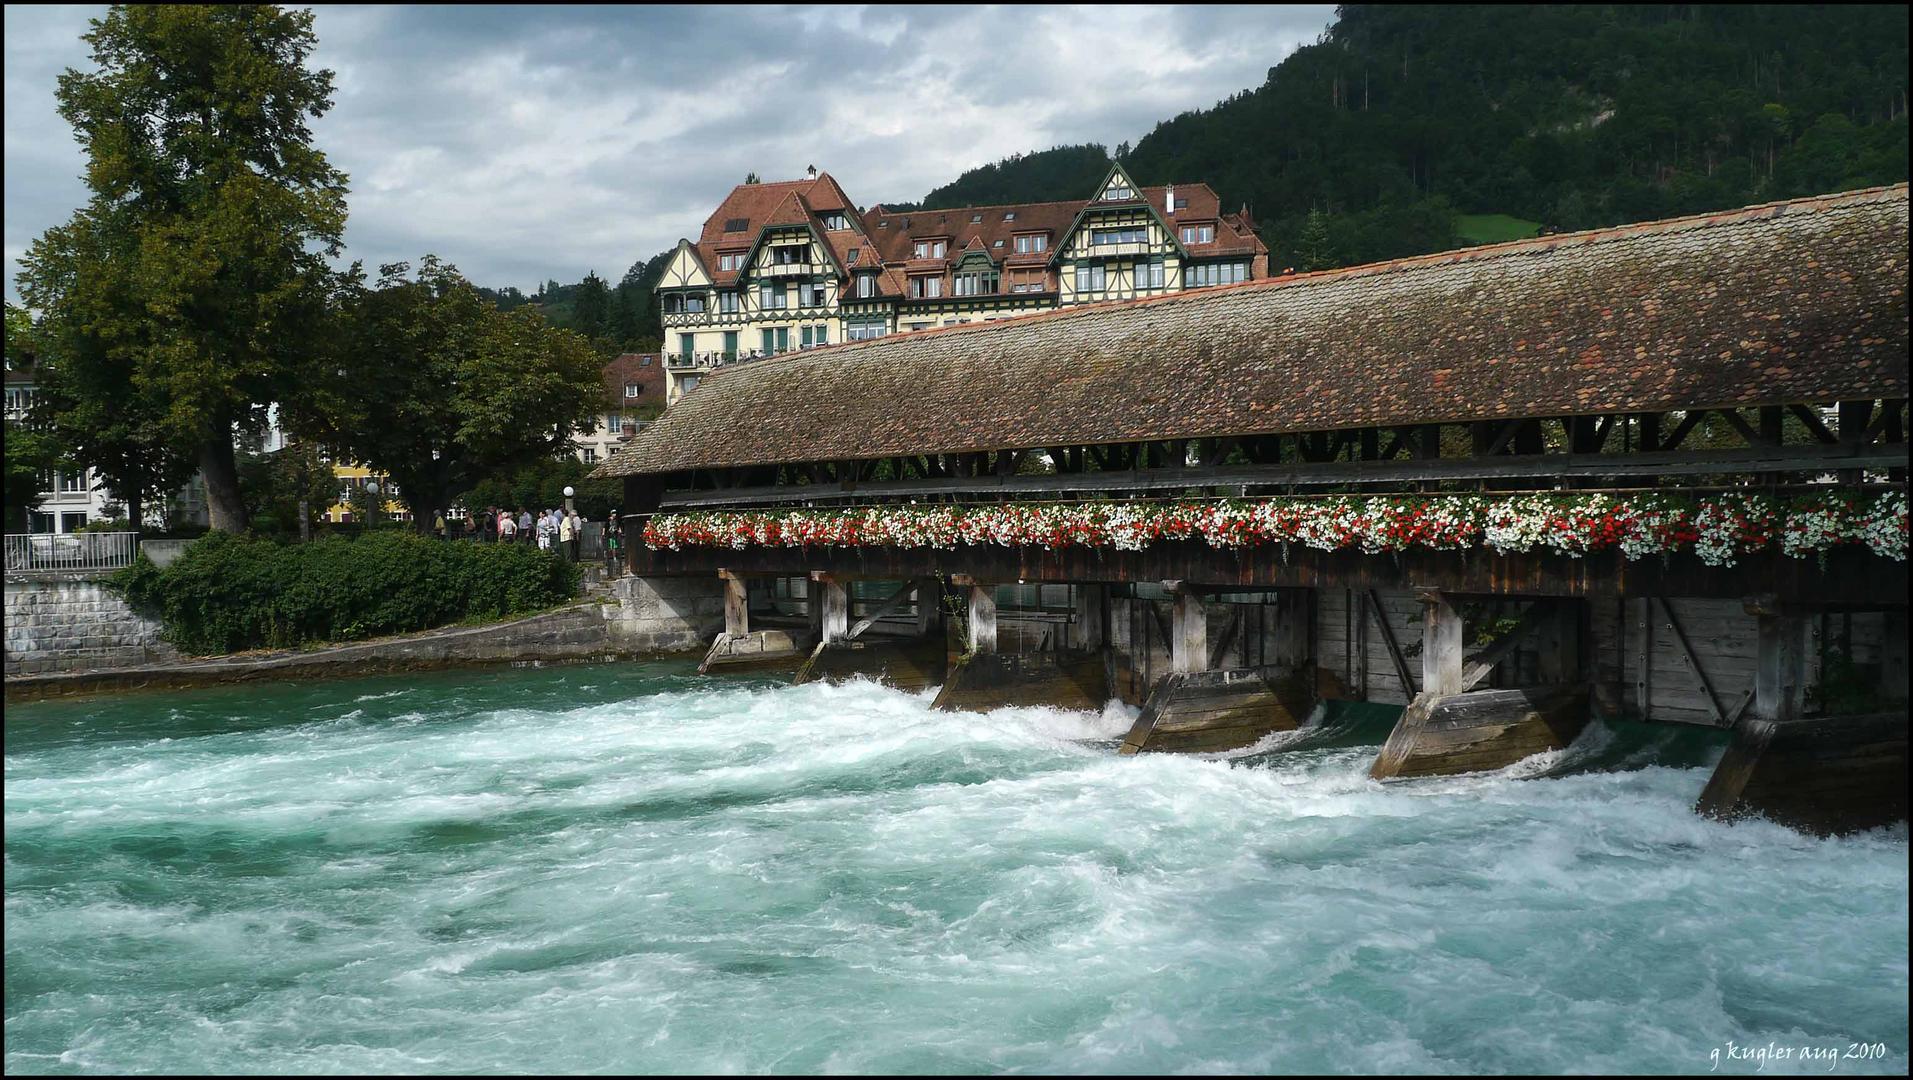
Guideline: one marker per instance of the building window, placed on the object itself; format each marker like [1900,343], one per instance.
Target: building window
[673,303]
[982,283]
[866,285]
[1198,234]
[46,481]
[644,360]
[790,254]
[776,340]
[589,455]
[1119,189]
[834,221]
[1089,277]
[733,261]
[729,303]
[931,249]
[853,254]
[1197,275]
[996,243]
[611,423]
[813,295]
[1127,234]
[816,335]
[72,483]
[1009,215]
[919,326]
[974,218]
[694,303]
[736,224]
[923,288]
[772,297]
[632,389]
[1030,245]
[730,344]
[865,329]
[1149,274]
[72,520]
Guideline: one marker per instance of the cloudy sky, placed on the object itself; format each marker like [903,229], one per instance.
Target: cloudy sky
[540,142]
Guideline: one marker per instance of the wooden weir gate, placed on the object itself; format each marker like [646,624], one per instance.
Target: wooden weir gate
[1758,352]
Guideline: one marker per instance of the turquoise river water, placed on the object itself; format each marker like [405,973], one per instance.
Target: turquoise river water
[628,868]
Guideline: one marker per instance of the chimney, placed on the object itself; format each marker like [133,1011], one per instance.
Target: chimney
[811,172]
[1169,199]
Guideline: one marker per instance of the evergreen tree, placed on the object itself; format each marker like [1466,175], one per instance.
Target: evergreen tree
[591,307]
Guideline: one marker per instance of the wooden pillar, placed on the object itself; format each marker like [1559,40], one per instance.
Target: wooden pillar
[829,607]
[982,629]
[1558,642]
[1092,612]
[929,606]
[1189,636]
[737,604]
[1441,646]
[1294,627]
[1893,655]
[1780,667]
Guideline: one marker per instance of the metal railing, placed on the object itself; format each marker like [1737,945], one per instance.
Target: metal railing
[69,553]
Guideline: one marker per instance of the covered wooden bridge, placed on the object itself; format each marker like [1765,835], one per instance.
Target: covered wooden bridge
[1656,471]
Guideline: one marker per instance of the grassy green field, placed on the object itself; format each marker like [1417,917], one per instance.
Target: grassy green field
[1493,228]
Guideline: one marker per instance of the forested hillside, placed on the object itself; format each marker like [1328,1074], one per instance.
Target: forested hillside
[1420,128]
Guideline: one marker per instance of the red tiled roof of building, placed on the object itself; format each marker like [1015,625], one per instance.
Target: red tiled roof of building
[645,370]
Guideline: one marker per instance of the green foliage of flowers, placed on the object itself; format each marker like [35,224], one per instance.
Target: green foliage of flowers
[228,593]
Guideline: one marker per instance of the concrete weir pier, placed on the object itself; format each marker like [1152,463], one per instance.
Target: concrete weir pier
[1495,487]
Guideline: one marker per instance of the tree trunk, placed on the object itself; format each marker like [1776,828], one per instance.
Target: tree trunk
[224,507]
[135,505]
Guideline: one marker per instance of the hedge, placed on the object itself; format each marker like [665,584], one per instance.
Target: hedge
[226,593]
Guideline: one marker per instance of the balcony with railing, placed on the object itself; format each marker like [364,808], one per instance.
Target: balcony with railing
[70,553]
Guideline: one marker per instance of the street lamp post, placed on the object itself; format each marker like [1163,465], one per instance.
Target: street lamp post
[568,494]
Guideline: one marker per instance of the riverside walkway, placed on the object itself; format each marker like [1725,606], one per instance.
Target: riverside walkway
[1656,471]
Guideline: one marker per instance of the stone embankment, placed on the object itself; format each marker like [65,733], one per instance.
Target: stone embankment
[48,652]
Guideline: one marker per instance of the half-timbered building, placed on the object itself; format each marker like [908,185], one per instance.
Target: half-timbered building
[795,265]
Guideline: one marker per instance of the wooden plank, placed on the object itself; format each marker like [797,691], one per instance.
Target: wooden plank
[1644,657]
[982,621]
[1758,459]
[1693,662]
[891,603]
[1441,647]
[1394,650]
[1484,661]
[1780,680]
[1189,645]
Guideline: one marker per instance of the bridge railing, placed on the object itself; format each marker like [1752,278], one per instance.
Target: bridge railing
[69,553]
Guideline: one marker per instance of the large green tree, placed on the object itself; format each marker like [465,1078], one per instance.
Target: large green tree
[193,284]
[431,384]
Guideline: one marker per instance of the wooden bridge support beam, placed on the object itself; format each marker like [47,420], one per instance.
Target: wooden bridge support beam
[1449,729]
[1086,631]
[929,607]
[1780,664]
[980,628]
[1441,646]
[1189,630]
[737,607]
[829,608]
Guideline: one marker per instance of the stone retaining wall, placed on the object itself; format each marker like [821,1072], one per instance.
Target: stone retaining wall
[663,614]
[72,623]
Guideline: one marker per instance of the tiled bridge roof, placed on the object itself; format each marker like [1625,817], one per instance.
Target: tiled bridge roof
[1798,301]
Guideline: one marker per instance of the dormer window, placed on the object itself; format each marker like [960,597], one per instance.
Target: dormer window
[737,224]
[866,285]
[1198,234]
[732,261]
[931,249]
[853,254]
[834,221]
[1030,244]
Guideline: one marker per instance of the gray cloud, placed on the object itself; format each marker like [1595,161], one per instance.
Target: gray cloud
[539,142]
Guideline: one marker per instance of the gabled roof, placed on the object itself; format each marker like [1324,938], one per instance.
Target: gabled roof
[1800,301]
[786,202]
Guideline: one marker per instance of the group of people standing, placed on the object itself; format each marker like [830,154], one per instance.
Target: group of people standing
[560,530]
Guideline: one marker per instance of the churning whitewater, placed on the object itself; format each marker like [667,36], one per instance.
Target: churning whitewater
[625,868]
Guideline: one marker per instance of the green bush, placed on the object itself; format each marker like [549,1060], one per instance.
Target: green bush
[228,593]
